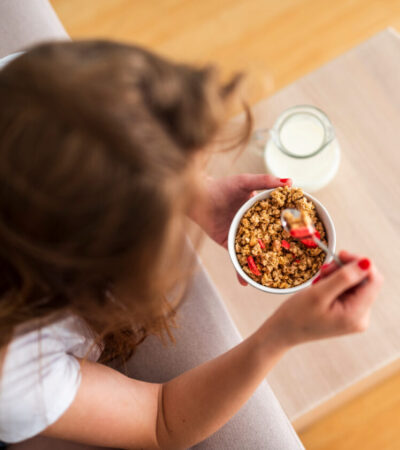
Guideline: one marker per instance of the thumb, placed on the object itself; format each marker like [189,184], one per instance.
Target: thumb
[256,182]
[344,278]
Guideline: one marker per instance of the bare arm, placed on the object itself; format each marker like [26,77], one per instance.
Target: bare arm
[202,400]
[113,410]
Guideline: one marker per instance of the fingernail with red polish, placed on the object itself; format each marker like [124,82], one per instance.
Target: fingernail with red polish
[364,263]
[315,280]
[324,266]
[284,180]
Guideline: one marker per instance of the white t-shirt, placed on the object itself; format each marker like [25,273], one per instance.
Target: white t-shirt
[40,374]
[9,58]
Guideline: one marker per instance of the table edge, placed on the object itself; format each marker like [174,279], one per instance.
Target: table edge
[338,399]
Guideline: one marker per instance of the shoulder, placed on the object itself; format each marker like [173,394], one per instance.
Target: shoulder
[41,375]
[6,59]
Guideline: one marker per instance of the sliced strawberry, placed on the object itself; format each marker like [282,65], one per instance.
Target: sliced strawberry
[301,232]
[309,242]
[252,266]
[285,244]
[262,245]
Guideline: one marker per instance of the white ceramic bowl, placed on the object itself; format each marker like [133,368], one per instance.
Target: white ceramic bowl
[323,215]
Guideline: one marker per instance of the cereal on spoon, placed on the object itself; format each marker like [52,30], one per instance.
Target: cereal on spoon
[269,254]
[299,226]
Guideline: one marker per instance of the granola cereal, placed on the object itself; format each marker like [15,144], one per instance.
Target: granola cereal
[267,253]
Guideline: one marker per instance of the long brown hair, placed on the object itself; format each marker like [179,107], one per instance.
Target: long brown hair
[97,148]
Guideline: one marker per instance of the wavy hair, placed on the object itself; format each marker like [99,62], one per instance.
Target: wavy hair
[98,142]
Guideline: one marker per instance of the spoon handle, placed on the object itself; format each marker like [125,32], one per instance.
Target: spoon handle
[322,246]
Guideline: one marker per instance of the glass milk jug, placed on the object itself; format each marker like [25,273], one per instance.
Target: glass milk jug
[302,145]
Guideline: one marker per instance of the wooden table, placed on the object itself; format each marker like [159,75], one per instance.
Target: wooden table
[360,92]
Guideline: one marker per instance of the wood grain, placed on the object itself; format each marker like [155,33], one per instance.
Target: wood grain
[370,422]
[275,42]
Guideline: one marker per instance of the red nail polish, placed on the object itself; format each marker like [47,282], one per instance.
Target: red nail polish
[364,264]
[284,180]
[324,266]
[315,280]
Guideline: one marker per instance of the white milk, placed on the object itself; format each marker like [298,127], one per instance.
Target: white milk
[301,132]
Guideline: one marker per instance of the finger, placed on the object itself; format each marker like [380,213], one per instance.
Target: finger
[241,280]
[257,182]
[331,267]
[344,278]
[328,269]
[347,257]
[366,292]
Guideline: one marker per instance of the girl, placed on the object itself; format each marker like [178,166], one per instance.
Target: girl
[101,149]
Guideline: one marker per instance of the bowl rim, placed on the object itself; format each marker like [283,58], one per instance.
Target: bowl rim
[232,235]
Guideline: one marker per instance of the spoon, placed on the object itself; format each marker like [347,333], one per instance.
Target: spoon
[306,232]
